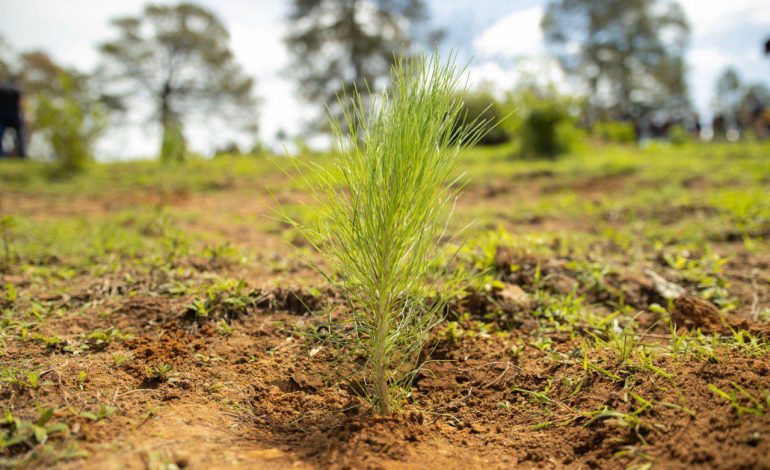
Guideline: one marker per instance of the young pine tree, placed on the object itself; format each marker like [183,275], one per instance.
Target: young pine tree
[383,204]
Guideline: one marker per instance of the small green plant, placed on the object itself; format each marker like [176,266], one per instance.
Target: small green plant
[7,223]
[383,206]
[23,378]
[103,412]
[118,359]
[742,401]
[19,432]
[161,372]
[225,299]
[70,125]
[8,298]
[99,339]
[224,328]
[82,377]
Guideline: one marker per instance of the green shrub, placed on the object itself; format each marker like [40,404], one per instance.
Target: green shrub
[382,207]
[678,135]
[69,126]
[548,132]
[615,132]
[544,122]
[481,106]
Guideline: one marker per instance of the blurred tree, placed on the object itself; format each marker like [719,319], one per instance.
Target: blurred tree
[542,120]
[39,74]
[45,85]
[741,106]
[349,40]
[68,124]
[729,91]
[179,58]
[6,59]
[628,53]
[481,105]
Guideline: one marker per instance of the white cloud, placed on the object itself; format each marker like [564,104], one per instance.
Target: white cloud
[517,34]
[538,69]
[717,16]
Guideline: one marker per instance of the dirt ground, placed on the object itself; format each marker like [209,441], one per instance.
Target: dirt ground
[513,381]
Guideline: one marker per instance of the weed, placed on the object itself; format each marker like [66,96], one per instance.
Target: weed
[756,405]
[224,328]
[99,339]
[82,377]
[8,298]
[119,359]
[7,223]
[19,432]
[590,366]
[161,372]
[23,378]
[630,420]
[103,412]
[225,299]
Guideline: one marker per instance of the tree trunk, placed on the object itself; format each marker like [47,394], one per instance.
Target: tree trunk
[173,147]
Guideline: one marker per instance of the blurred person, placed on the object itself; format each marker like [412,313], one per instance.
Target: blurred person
[11,116]
[719,126]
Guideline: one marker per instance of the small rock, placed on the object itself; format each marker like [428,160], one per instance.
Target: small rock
[514,298]
[667,290]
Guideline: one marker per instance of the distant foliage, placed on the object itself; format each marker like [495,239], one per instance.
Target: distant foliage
[344,47]
[741,106]
[678,135]
[178,58]
[481,106]
[629,54]
[615,132]
[544,121]
[69,126]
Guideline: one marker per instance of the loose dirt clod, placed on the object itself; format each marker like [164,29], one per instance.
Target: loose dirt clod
[694,312]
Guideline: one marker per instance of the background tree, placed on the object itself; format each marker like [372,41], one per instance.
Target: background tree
[629,54]
[69,123]
[6,59]
[729,93]
[741,106]
[481,105]
[64,110]
[349,40]
[179,59]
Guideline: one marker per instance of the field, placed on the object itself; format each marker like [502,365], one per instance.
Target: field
[614,314]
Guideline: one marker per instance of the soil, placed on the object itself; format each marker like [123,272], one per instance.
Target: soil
[262,396]
[256,399]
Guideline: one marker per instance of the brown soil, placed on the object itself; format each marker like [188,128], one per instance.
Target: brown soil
[256,399]
[264,397]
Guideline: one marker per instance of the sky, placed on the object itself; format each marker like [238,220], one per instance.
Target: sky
[499,38]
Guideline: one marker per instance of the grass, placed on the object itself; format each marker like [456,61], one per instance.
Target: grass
[384,202]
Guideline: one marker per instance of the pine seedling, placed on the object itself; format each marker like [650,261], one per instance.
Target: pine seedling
[383,205]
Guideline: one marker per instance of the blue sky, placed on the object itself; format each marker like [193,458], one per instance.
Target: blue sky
[500,38]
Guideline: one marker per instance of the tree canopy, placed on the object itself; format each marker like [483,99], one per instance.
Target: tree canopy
[179,59]
[629,54]
[350,41]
